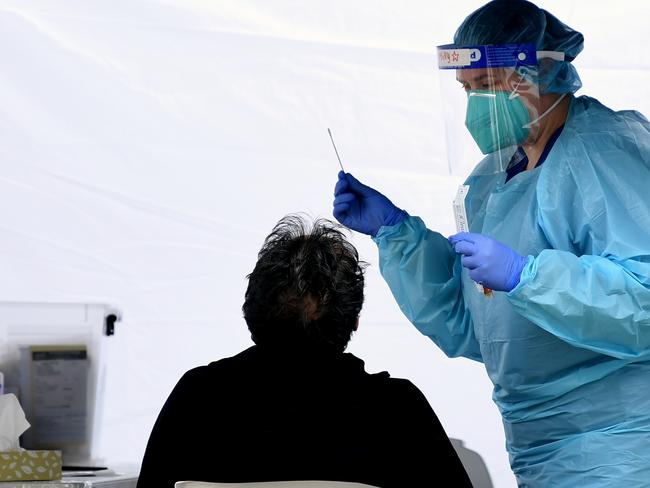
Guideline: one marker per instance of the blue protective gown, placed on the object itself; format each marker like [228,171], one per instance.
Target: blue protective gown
[568,350]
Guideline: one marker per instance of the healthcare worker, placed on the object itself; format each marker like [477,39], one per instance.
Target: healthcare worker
[559,219]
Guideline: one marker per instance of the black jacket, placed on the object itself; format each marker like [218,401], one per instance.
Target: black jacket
[267,415]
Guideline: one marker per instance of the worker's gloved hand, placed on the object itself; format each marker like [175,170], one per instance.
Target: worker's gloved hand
[490,263]
[362,208]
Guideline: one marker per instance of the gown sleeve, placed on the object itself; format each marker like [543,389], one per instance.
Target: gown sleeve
[592,289]
[423,273]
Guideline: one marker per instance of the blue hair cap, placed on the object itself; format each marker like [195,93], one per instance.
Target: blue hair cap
[522,22]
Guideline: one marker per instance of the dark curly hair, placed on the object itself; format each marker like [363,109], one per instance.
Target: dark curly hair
[306,288]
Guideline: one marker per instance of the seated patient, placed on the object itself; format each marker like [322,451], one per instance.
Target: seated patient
[294,406]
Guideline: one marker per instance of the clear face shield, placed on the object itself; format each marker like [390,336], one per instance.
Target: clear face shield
[491,104]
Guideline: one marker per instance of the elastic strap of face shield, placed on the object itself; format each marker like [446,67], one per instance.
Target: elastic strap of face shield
[556,55]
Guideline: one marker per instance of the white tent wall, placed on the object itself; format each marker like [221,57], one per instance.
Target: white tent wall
[148,147]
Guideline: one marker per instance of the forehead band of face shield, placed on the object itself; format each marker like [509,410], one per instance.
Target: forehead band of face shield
[493,56]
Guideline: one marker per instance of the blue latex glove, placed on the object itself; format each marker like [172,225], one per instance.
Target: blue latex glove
[490,263]
[362,208]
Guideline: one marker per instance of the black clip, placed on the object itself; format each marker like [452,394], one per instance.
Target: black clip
[110,324]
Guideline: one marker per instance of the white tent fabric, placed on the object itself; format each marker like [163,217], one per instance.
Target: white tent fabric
[147,148]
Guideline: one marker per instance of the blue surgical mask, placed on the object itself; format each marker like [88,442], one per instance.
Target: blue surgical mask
[496,119]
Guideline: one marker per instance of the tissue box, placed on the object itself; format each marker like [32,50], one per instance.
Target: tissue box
[30,465]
